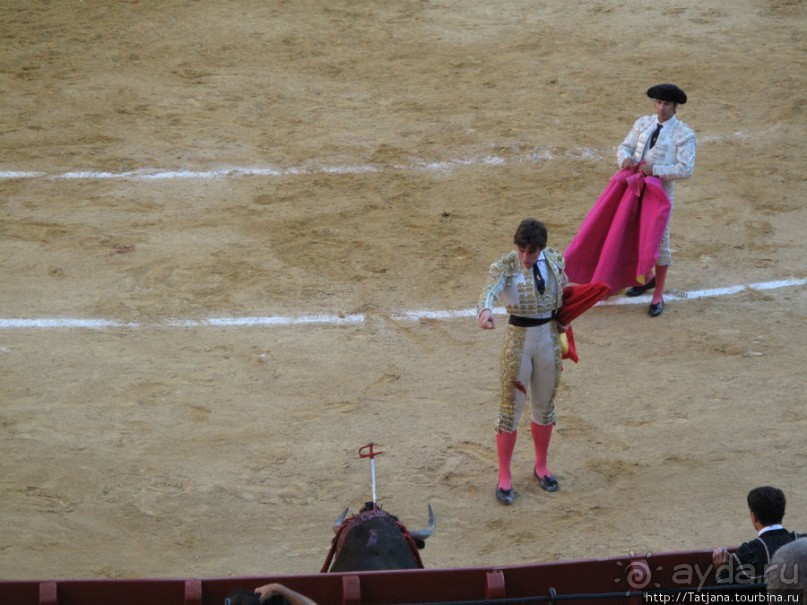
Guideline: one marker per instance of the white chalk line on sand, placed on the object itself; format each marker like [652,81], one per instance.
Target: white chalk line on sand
[151,174]
[155,174]
[356,318]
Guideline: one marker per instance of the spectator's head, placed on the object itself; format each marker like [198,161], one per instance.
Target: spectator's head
[788,567]
[767,504]
[244,596]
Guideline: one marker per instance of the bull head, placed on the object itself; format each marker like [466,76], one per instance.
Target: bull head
[374,540]
[418,535]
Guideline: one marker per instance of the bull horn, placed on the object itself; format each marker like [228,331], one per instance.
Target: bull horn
[340,520]
[422,534]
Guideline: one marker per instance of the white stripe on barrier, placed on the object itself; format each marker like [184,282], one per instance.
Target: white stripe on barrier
[269,321]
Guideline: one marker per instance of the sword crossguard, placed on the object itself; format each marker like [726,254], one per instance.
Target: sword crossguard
[367,451]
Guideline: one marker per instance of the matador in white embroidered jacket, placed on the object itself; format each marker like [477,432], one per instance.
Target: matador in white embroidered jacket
[529,281]
[660,145]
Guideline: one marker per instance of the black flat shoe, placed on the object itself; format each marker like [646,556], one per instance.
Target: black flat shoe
[639,290]
[548,483]
[656,309]
[505,496]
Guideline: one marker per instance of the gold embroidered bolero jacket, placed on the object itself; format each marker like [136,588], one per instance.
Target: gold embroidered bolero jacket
[512,284]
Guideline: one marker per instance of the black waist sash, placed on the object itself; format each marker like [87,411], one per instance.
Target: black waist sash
[528,322]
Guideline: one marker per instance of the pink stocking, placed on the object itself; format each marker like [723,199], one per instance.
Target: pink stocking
[505,444]
[661,276]
[541,434]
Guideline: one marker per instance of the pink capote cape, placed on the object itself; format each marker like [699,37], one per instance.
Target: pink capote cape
[618,242]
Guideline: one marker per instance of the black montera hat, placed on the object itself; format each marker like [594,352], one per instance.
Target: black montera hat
[667,92]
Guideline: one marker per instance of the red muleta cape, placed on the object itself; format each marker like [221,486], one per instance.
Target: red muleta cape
[577,299]
[619,239]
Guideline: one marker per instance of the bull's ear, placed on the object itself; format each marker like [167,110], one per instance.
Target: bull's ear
[421,544]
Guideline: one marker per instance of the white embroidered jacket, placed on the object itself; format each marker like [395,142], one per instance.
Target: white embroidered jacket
[673,155]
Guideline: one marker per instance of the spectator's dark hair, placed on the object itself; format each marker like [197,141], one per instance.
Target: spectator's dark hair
[530,235]
[767,503]
[244,596]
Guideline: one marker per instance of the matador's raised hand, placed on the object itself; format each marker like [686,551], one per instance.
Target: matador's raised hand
[486,321]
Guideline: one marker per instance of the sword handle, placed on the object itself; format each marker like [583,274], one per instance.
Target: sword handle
[367,451]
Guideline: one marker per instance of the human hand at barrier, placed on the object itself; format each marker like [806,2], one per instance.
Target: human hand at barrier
[720,556]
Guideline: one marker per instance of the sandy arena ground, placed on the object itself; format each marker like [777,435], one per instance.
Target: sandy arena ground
[400,143]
